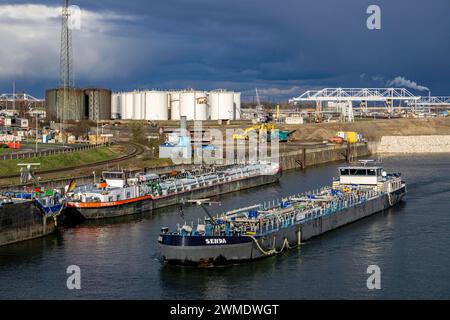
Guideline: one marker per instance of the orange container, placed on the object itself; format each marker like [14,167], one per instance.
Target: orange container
[14,145]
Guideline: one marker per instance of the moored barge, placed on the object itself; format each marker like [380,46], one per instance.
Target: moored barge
[120,195]
[269,228]
[28,215]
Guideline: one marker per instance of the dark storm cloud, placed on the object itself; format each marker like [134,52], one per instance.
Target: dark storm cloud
[272,44]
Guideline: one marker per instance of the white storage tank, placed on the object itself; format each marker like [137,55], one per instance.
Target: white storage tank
[143,104]
[187,104]
[221,105]
[194,105]
[174,105]
[128,111]
[138,104]
[201,106]
[123,105]
[237,105]
[156,105]
[115,106]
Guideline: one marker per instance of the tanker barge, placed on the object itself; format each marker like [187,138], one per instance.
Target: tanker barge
[120,195]
[28,215]
[269,228]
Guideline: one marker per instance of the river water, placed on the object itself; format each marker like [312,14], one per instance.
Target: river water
[119,258]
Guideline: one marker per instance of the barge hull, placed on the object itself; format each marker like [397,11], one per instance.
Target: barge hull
[23,221]
[73,213]
[323,224]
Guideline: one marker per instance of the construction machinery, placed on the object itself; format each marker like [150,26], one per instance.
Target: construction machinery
[258,128]
[283,135]
[336,140]
[267,130]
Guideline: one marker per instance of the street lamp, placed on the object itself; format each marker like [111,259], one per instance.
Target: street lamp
[36,114]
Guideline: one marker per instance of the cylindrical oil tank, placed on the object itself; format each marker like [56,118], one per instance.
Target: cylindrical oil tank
[194,105]
[98,103]
[51,103]
[128,112]
[187,104]
[237,105]
[66,104]
[138,104]
[175,105]
[201,106]
[123,105]
[221,105]
[143,104]
[115,106]
[156,105]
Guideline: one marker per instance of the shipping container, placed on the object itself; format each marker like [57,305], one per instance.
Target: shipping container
[352,137]
[342,134]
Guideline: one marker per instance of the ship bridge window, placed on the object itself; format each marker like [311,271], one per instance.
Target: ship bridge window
[358,172]
[371,172]
[345,172]
[113,175]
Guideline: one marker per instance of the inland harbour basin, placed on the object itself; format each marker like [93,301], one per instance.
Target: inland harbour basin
[409,242]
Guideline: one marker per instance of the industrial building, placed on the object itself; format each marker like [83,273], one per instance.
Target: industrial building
[171,105]
[81,104]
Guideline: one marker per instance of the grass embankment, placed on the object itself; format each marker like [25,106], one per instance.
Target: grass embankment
[146,161]
[5,151]
[61,161]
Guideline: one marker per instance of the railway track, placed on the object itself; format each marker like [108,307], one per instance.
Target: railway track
[134,150]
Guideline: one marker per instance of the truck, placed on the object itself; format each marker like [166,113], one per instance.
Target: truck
[346,136]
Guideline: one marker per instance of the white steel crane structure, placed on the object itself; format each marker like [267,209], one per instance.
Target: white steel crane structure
[426,104]
[433,101]
[344,98]
[9,100]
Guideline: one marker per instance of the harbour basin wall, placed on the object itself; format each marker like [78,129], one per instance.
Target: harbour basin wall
[23,221]
[411,144]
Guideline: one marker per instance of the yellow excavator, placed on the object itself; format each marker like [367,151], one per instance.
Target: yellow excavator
[259,128]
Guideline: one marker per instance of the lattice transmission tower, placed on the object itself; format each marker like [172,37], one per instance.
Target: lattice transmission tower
[66,63]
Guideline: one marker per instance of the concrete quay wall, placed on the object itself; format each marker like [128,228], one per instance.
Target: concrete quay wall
[411,144]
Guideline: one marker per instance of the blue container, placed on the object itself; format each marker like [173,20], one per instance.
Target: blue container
[252,214]
[285,204]
[208,230]
[23,195]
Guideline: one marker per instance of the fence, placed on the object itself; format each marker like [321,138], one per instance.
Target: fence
[88,179]
[46,153]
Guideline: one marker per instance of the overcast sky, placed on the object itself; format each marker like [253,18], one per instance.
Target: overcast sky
[283,47]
